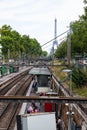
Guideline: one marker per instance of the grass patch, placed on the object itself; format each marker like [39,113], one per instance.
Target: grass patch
[81,91]
[58,71]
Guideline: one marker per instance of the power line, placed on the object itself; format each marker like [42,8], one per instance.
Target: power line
[54,38]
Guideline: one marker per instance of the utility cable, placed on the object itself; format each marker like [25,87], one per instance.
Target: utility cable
[54,38]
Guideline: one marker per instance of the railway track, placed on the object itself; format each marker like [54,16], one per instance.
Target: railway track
[6,86]
[81,108]
[19,87]
[5,119]
[8,111]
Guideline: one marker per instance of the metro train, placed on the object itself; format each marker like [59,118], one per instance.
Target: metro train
[44,85]
[42,77]
[40,112]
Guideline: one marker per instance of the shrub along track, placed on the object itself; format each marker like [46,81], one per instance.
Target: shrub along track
[80,109]
[8,111]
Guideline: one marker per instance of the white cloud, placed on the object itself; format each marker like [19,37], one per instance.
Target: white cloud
[36,18]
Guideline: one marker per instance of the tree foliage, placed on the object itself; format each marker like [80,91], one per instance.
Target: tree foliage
[18,44]
[78,37]
[44,53]
[62,50]
[79,78]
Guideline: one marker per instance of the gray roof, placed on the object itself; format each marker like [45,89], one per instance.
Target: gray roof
[40,71]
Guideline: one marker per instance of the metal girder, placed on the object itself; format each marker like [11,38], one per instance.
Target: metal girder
[46,65]
[43,99]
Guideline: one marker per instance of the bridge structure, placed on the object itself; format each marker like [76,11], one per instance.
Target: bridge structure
[61,99]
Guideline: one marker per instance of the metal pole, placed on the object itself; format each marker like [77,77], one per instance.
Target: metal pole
[70,105]
[53,54]
[71,83]
[70,117]
[69,48]
[8,55]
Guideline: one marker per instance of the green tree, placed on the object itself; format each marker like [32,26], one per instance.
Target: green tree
[15,46]
[6,39]
[61,52]
[18,45]
[35,48]
[78,37]
[44,53]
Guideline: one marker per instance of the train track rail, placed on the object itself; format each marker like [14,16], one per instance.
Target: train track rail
[19,87]
[6,86]
[79,106]
[8,111]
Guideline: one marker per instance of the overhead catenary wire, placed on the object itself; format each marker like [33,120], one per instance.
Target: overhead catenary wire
[50,40]
[54,38]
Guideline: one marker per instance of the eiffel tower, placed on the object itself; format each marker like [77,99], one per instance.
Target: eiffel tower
[55,42]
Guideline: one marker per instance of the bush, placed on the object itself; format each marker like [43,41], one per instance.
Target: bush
[79,78]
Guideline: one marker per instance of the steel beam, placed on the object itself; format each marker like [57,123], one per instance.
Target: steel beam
[43,99]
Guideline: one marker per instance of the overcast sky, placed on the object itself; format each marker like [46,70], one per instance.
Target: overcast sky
[36,17]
